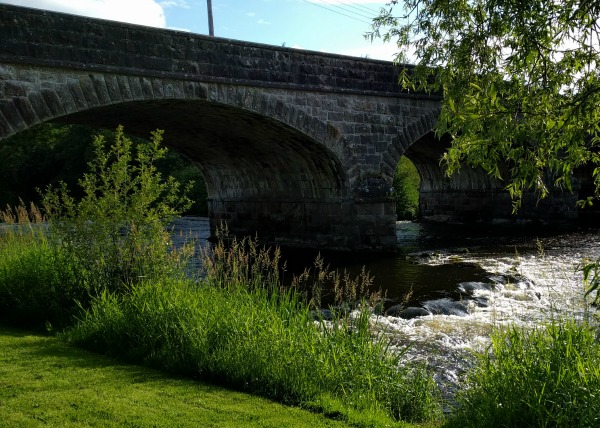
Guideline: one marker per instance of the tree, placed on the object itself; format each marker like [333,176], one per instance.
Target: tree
[406,190]
[520,85]
[521,92]
[36,157]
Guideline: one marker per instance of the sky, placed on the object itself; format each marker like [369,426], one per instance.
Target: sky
[334,26]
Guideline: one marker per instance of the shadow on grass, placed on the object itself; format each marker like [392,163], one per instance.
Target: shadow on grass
[42,346]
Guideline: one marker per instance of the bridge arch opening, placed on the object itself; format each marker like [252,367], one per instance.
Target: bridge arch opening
[469,195]
[263,176]
[239,151]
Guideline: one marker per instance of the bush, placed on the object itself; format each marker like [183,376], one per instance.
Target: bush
[110,239]
[116,233]
[545,377]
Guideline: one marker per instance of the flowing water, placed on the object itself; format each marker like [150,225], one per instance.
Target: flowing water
[448,286]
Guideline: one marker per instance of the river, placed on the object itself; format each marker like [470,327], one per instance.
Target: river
[462,281]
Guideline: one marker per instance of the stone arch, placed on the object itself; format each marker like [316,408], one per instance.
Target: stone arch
[268,164]
[468,195]
[409,135]
[29,97]
[184,110]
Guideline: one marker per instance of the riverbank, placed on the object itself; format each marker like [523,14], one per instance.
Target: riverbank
[464,280]
[237,326]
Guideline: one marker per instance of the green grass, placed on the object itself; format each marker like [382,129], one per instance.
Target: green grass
[44,382]
[39,282]
[548,376]
[238,328]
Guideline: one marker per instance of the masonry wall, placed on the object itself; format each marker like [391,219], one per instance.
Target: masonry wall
[91,44]
[298,146]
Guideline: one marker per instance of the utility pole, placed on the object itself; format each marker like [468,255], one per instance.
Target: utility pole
[211,28]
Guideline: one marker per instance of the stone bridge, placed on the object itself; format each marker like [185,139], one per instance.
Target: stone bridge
[298,147]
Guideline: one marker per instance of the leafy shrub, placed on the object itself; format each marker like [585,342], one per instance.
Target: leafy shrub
[116,232]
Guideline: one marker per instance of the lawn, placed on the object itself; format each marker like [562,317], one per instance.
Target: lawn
[45,382]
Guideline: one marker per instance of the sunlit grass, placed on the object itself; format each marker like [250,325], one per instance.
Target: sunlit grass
[546,376]
[44,382]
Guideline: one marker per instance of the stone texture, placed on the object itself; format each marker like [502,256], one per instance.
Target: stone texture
[297,146]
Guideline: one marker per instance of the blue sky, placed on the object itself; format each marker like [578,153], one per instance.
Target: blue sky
[335,26]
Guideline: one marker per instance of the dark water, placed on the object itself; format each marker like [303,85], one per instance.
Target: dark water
[433,260]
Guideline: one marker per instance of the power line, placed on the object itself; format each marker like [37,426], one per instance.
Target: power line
[359,7]
[347,8]
[341,13]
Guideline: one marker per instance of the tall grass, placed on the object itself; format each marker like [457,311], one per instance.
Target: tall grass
[40,284]
[548,376]
[240,327]
[108,257]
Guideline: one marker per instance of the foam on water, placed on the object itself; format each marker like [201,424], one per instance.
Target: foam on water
[524,289]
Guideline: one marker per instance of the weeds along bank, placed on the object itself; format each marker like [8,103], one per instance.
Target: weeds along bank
[104,277]
[547,376]
[236,327]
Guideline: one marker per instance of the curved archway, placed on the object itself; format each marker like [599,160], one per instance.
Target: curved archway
[263,176]
[468,195]
[242,154]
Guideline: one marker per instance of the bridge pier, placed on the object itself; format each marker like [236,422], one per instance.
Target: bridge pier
[495,206]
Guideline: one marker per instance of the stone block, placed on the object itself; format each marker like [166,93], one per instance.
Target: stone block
[101,89]
[53,102]
[6,130]
[25,111]
[77,95]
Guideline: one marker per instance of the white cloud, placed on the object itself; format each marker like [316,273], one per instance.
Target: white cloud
[384,51]
[250,14]
[175,3]
[263,22]
[143,12]
[187,30]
